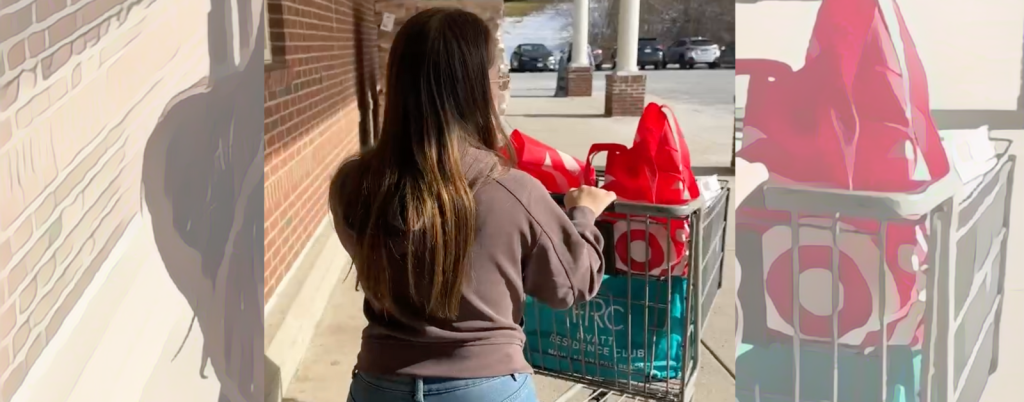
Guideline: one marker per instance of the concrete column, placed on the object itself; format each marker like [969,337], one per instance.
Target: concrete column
[625,89]
[579,74]
[580,31]
[629,35]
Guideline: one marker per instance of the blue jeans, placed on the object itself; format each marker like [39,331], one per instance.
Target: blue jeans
[377,388]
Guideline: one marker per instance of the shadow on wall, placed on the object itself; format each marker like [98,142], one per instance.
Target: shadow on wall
[203,186]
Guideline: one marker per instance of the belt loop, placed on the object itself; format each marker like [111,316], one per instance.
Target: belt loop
[515,377]
[418,397]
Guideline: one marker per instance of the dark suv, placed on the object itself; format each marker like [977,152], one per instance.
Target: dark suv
[648,53]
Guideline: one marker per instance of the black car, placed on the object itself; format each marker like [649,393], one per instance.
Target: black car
[532,57]
[649,53]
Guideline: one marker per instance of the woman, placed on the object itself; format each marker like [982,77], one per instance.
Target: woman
[446,240]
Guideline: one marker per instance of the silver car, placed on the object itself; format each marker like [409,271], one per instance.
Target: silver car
[690,52]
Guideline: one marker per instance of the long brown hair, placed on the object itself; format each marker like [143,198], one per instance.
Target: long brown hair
[406,199]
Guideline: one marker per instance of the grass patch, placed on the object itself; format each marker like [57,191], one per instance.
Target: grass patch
[514,9]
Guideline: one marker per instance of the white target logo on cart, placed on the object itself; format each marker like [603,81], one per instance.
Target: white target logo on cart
[859,291]
[640,246]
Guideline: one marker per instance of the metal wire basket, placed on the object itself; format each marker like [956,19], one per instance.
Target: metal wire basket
[666,307]
[968,225]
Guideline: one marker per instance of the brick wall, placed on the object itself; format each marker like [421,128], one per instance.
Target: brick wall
[579,81]
[82,84]
[324,57]
[624,94]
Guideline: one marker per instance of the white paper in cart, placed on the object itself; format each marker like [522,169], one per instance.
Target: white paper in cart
[971,152]
[710,187]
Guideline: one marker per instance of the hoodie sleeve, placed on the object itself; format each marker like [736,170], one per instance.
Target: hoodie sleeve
[565,265]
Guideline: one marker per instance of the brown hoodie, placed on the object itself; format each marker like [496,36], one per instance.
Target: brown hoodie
[525,245]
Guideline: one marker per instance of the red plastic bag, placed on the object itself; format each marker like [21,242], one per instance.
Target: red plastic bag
[656,169]
[556,170]
[855,117]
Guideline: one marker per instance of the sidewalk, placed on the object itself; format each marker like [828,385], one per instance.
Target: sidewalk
[570,124]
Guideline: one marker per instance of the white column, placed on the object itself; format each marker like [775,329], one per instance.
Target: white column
[629,35]
[580,31]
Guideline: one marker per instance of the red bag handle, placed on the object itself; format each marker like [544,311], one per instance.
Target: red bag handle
[611,148]
[684,150]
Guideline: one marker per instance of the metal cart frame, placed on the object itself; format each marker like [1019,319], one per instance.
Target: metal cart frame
[706,258]
[967,244]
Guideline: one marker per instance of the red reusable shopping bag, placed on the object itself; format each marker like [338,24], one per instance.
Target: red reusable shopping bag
[855,117]
[656,169]
[557,170]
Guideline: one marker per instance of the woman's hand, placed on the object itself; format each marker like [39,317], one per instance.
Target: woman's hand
[591,197]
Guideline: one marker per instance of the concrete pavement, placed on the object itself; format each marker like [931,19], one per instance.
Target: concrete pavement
[570,124]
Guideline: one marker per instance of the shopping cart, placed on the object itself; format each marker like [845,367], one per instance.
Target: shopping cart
[615,376]
[967,243]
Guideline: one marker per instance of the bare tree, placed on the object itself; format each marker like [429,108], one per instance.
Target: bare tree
[666,20]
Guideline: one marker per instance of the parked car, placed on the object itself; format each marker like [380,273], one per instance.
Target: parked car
[728,57]
[649,53]
[532,57]
[568,56]
[689,52]
[598,56]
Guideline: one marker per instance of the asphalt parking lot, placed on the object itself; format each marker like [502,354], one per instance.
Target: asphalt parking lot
[710,88]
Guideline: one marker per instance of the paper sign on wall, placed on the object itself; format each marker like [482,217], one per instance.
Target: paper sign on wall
[388,23]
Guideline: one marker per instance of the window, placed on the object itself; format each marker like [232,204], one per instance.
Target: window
[268,54]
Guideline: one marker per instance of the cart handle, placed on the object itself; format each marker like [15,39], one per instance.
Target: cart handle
[873,204]
[648,209]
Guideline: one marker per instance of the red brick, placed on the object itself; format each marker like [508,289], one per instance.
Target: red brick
[62,29]
[96,9]
[624,95]
[53,63]
[15,22]
[16,55]
[47,8]
[36,43]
